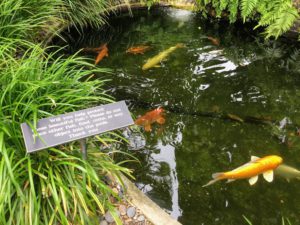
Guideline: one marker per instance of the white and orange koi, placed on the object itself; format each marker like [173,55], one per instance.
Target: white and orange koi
[251,170]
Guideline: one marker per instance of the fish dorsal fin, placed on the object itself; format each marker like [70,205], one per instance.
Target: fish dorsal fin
[253,180]
[269,175]
[253,158]
[242,166]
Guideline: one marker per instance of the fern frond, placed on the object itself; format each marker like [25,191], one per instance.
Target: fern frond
[282,23]
[233,9]
[223,4]
[248,7]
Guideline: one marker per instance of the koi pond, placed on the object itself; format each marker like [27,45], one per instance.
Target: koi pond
[228,95]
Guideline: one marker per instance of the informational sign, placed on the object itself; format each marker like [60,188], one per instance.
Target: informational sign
[72,126]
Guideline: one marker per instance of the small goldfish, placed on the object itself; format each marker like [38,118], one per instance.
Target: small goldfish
[153,116]
[215,41]
[251,170]
[102,54]
[152,62]
[140,49]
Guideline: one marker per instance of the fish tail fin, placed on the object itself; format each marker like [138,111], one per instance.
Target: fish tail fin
[216,177]
[210,183]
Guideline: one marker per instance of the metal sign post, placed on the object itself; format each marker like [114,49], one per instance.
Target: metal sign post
[83,147]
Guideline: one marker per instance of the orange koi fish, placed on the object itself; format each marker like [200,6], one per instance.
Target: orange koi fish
[102,54]
[250,170]
[140,49]
[153,116]
[215,41]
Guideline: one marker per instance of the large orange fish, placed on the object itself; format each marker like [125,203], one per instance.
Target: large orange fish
[102,54]
[251,170]
[156,115]
[140,49]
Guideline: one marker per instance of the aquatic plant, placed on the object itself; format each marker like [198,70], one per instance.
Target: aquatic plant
[276,16]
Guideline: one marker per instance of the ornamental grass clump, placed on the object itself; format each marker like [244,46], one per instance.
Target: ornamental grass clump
[53,186]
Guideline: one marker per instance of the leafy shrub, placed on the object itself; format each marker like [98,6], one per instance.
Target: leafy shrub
[277,16]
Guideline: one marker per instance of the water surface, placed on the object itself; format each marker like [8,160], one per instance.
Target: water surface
[201,86]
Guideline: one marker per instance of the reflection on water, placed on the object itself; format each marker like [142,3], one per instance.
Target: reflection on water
[224,104]
[167,154]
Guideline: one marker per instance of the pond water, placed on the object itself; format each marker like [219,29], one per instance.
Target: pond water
[224,104]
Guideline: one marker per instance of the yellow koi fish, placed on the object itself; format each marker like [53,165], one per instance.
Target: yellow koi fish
[251,170]
[152,62]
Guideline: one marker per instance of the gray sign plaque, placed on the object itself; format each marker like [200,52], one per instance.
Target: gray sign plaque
[72,126]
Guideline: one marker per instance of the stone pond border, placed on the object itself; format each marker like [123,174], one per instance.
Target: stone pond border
[155,214]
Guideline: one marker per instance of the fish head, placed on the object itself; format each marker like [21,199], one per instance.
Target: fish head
[275,160]
[141,121]
[160,110]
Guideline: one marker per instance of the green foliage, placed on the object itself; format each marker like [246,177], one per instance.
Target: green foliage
[82,13]
[31,19]
[54,186]
[277,16]
[22,19]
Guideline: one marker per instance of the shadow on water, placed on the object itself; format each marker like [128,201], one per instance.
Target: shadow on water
[224,103]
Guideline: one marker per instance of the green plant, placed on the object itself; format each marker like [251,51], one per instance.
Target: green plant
[284,221]
[82,13]
[23,19]
[54,186]
[276,16]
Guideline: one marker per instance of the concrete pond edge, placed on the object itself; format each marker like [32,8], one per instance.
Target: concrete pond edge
[155,214]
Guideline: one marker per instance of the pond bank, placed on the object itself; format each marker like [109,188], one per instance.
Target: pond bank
[121,7]
[137,208]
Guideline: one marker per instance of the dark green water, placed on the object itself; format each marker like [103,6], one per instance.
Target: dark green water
[243,76]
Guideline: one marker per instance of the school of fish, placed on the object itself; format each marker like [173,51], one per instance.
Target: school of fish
[267,166]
